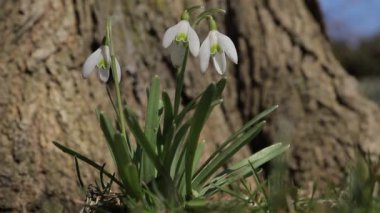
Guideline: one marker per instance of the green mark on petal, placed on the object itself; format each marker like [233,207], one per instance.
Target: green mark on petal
[181,37]
[215,48]
[102,64]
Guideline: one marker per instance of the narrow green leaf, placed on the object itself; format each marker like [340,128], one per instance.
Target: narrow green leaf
[205,172]
[234,193]
[168,110]
[168,125]
[127,170]
[179,175]
[86,160]
[137,157]
[178,163]
[260,117]
[198,155]
[101,176]
[106,127]
[108,187]
[151,127]
[238,133]
[244,168]
[168,139]
[142,140]
[80,181]
[152,118]
[121,155]
[258,182]
[198,121]
[109,132]
[262,156]
[172,158]
[220,85]
[190,106]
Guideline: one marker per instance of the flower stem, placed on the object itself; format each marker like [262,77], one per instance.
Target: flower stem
[115,79]
[179,82]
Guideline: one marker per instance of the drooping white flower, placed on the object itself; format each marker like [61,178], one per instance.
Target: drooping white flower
[217,45]
[177,37]
[100,60]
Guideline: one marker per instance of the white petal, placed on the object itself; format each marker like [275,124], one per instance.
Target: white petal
[219,60]
[118,70]
[204,54]
[106,54]
[183,27]
[104,74]
[169,35]
[213,37]
[91,62]
[193,41]
[177,53]
[228,47]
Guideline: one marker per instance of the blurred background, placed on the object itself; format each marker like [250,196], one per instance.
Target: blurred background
[353,27]
[284,59]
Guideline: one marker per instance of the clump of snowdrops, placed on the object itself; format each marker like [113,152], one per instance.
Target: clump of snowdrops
[158,164]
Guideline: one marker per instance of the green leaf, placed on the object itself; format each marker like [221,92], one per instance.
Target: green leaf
[142,140]
[172,157]
[239,133]
[259,184]
[109,132]
[220,85]
[244,168]
[198,155]
[152,118]
[193,103]
[101,176]
[86,160]
[151,127]
[211,166]
[260,117]
[127,170]
[106,127]
[199,118]
[179,178]
[168,139]
[168,109]
[120,153]
[80,181]
[262,156]
[190,106]
[168,125]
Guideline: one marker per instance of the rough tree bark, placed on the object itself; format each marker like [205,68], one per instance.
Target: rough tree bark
[283,59]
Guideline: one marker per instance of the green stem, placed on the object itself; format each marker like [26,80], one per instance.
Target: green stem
[115,79]
[179,80]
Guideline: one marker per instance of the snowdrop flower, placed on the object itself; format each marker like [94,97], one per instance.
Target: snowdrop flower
[217,45]
[100,60]
[178,36]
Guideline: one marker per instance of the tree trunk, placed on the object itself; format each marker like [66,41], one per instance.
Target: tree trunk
[283,59]
[287,61]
